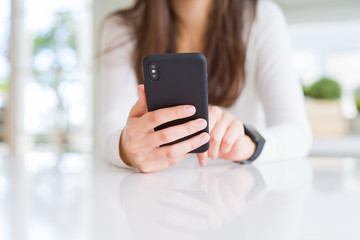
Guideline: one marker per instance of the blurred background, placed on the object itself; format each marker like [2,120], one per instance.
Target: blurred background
[48,78]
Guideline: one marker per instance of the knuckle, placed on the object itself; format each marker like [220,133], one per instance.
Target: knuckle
[170,153]
[227,116]
[130,131]
[215,139]
[215,110]
[179,111]
[191,127]
[172,162]
[194,143]
[226,141]
[155,117]
[237,123]
[165,136]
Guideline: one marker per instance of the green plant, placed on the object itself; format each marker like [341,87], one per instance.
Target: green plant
[306,90]
[357,98]
[4,84]
[325,88]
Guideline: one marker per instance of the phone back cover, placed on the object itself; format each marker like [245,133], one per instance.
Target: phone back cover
[182,81]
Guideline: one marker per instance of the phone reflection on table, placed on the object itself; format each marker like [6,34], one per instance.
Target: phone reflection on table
[234,203]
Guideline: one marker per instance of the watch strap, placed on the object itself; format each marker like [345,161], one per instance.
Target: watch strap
[256,137]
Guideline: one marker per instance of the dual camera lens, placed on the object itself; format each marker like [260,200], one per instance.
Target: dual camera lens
[154,71]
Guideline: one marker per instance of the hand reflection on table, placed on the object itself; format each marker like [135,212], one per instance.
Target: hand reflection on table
[215,205]
[211,201]
[157,205]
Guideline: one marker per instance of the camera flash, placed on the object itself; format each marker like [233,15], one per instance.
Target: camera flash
[153,71]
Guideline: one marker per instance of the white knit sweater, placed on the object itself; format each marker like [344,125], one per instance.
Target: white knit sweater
[271,101]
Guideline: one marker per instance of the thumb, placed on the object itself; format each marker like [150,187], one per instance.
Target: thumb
[140,107]
[142,96]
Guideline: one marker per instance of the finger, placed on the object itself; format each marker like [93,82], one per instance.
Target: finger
[164,115]
[217,135]
[203,158]
[231,135]
[236,152]
[171,134]
[180,149]
[171,155]
[140,107]
[215,114]
[158,138]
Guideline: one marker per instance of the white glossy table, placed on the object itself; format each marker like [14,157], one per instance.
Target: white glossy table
[43,197]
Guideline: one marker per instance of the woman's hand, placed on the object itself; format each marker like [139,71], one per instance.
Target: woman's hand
[227,138]
[139,143]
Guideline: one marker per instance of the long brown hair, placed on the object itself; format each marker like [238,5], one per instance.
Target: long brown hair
[154,29]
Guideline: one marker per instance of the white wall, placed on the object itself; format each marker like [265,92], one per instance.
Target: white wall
[297,11]
[306,11]
[105,7]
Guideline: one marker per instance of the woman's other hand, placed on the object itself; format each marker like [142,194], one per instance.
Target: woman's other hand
[227,138]
[140,144]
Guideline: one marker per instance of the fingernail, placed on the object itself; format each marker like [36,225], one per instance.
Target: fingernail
[201,123]
[204,138]
[190,110]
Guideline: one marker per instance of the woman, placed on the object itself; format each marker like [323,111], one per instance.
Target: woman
[251,80]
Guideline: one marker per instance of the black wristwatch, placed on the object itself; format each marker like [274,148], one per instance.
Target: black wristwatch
[256,137]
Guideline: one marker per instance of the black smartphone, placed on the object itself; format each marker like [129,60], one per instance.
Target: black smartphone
[177,79]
